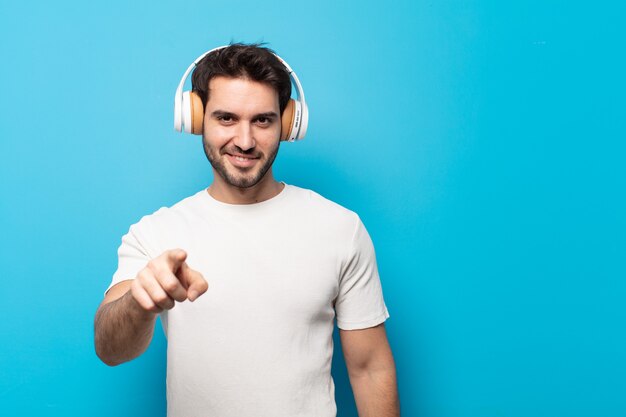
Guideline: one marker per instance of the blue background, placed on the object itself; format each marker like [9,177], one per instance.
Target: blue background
[482,143]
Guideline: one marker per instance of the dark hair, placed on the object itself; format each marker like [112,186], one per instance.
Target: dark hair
[238,60]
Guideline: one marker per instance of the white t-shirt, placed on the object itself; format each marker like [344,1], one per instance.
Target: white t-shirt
[259,341]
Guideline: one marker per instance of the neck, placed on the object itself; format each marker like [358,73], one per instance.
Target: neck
[265,189]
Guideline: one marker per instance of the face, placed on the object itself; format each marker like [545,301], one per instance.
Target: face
[241,130]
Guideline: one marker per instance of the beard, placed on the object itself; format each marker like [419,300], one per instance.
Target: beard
[237,177]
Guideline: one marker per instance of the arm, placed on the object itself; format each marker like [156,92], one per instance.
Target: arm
[125,320]
[372,371]
[123,330]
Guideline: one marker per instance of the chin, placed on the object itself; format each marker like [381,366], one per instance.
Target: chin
[242,182]
[236,179]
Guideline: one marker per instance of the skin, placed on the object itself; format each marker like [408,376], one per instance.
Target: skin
[241,139]
[242,120]
[372,371]
[125,320]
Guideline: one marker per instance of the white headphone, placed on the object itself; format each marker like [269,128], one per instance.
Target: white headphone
[189,111]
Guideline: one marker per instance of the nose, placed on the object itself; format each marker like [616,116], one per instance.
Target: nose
[245,137]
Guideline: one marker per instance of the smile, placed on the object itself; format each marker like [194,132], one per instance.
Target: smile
[240,161]
[241,158]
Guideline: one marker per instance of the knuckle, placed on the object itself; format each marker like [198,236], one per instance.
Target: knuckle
[154,309]
[160,298]
[170,285]
[143,276]
[165,304]
[157,270]
[162,268]
[145,304]
[134,288]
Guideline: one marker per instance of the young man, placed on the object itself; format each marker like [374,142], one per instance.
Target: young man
[249,274]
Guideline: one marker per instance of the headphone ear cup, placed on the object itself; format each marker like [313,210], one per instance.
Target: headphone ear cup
[304,122]
[197,113]
[192,112]
[287,120]
[186,112]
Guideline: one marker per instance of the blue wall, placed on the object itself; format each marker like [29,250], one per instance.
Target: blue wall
[482,143]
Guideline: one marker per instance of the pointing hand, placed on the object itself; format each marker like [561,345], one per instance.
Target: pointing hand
[167,279]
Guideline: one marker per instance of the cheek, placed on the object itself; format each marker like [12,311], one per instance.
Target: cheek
[268,135]
[217,135]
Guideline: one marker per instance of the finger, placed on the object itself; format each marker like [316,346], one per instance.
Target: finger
[175,258]
[196,284]
[160,298]
[142,298]
[157,294]
[171,284]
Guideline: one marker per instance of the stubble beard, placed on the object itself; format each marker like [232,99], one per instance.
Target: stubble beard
[239,178]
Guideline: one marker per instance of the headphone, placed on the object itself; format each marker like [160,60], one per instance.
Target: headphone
[189,111]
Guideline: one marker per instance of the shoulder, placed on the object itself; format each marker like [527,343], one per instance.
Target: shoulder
[170,216]
[316,200]
[317,207]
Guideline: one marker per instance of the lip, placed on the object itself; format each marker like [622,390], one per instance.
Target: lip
[247,162]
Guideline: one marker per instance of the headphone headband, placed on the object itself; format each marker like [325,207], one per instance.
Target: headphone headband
[183,113]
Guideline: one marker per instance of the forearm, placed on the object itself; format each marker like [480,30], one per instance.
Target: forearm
[376,393]
[123,330]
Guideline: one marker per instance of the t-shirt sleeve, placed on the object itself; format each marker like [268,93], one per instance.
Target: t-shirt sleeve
[360,303]
[132,257]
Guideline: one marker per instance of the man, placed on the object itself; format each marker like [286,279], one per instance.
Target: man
[249,273]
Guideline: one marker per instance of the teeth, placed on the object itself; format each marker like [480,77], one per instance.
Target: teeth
[239,158]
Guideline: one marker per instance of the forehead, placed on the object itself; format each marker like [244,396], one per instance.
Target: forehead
[241,95]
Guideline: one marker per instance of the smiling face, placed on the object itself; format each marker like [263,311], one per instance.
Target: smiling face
[241,132]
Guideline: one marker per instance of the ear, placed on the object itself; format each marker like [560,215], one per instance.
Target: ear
[197,113]
[287,120]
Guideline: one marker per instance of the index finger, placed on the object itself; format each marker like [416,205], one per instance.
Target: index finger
[194,281]
[175,258]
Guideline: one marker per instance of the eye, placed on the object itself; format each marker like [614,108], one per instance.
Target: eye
[225,119]
[263,121]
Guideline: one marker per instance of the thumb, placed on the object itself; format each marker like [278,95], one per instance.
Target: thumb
[193,280]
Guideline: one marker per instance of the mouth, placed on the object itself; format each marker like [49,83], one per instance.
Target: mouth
[241,161]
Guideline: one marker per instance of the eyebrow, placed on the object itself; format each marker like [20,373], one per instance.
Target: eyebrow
[268,114]
[224,113]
